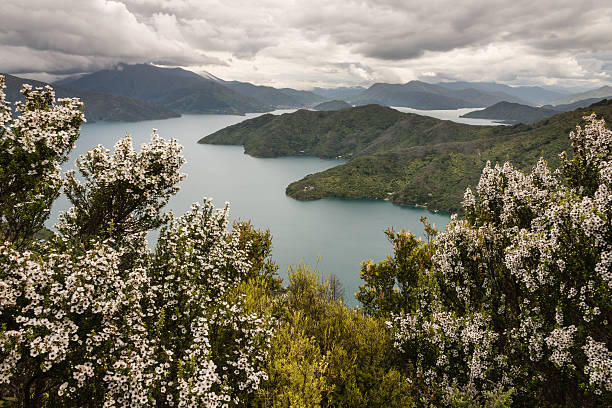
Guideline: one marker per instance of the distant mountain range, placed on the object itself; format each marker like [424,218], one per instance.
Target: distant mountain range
[421,95]
[401,157]
[342,93]
[144,91]
[601,93]
[277,98]
[532,95]
[516,113]
[583,103]
[98,106]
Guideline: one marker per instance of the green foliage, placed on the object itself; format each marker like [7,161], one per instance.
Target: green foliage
[258,244]
[296,370]
[498,399]
[394,284]
[346,357]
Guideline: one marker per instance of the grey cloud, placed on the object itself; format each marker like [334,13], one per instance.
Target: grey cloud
[405,30]
[316,42]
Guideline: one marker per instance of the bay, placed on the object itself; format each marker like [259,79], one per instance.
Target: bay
[335,235]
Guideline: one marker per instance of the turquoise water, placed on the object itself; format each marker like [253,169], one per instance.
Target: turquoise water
[334,234]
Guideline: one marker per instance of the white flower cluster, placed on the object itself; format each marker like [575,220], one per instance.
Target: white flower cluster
[525,280]
[93,317]
[75,316]
[599,366]
[32,147]
[215,350]
[124,191]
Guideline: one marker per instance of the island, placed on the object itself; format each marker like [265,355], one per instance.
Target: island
[404,158]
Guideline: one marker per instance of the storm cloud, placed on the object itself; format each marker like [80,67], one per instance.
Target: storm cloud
[316,43]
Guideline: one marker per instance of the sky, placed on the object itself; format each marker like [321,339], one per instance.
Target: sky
[325,43]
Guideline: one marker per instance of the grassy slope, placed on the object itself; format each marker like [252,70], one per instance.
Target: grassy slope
[405,158]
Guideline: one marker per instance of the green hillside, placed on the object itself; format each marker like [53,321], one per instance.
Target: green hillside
[401,157]
[324,134]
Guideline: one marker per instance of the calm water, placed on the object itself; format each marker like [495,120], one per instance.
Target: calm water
[452,114]
[337,234]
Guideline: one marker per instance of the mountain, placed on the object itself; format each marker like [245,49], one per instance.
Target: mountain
[421,95]
[278,98]
[174,88]
[603,92]
[401,157]
[98,106]
[332,105]
[339,93]
[534,95]
[575,105]
[512,113]
[308,98]
[324,134]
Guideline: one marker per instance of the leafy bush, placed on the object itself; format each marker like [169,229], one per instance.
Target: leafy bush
[329,355]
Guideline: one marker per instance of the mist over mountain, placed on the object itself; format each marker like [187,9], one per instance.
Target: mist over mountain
[340,92]
[98,106]
[583,103]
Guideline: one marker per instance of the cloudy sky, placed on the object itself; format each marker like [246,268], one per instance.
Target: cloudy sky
[317,42]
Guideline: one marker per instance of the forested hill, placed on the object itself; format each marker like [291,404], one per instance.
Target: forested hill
[324,134]
[512,113]
[332,105]
[405,158]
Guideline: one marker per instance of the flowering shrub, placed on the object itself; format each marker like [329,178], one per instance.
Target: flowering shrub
[518,296]
[32,147]
[92,316]
[213,352]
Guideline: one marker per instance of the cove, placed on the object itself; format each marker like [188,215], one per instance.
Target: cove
[336,235]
